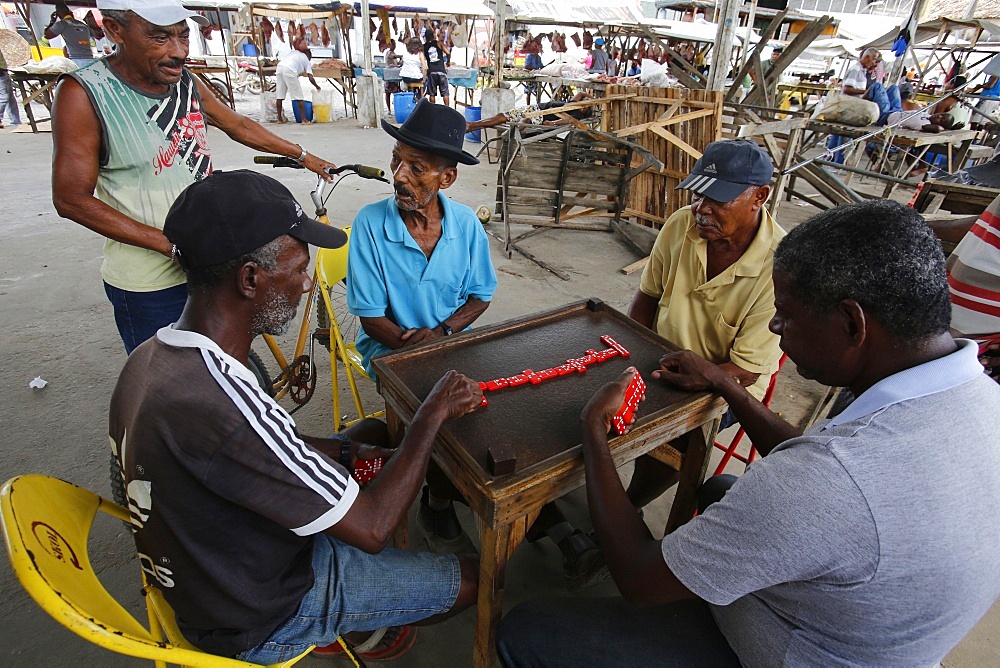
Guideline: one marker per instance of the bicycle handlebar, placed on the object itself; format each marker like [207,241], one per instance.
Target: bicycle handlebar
[364,171]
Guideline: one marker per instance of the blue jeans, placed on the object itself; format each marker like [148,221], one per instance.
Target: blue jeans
[576,632]
[8,101]
[357,591]
[140,314]
[887,99]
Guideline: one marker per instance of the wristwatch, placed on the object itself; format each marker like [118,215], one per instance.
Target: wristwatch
[345,452]
[448,331]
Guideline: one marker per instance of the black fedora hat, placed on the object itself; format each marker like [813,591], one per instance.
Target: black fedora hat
[436,129]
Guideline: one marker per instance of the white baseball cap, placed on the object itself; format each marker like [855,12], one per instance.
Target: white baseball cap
[157,12]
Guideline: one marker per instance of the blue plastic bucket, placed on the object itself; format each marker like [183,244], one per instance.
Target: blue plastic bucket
[403,105]
[250,50]
[473,114]
[295,110]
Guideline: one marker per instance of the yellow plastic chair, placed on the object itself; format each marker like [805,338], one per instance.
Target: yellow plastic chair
[331,268]
[46,523]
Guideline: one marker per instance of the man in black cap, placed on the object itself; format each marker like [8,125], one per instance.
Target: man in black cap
[260,538]
[419,268]
[707,288]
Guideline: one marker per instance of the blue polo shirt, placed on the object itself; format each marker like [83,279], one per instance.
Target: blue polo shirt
[388,275]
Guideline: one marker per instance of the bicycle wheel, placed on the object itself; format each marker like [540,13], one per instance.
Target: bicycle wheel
[220,88]
[259,369]
[348,322]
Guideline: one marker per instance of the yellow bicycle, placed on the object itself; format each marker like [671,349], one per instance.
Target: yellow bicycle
[297,376]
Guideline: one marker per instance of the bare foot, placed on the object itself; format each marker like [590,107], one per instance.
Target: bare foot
[305,122]
[281,119]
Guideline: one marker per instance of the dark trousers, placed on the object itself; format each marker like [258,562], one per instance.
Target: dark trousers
[575,632]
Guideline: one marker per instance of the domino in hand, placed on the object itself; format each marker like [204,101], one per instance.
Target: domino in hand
[365,470]
[633,395]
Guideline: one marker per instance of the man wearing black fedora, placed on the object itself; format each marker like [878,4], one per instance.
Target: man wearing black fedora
[419,268]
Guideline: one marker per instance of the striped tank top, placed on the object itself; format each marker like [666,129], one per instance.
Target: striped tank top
[154,146]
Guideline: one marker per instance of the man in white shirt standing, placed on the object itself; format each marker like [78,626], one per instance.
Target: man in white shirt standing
[293,65]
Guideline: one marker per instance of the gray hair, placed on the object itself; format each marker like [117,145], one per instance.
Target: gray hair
[880,254]
[203,279]
[120,16]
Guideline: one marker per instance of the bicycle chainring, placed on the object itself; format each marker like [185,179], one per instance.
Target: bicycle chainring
[301,379]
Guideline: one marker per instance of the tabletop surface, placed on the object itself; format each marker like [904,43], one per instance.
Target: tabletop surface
[538,421]
[909,137]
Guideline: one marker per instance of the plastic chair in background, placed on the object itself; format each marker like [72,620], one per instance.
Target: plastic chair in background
[730,450]
[331,270]
[46,523]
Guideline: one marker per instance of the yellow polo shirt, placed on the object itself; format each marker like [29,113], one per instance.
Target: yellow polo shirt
[724,319]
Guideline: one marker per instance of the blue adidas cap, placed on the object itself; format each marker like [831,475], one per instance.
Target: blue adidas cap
[727,168]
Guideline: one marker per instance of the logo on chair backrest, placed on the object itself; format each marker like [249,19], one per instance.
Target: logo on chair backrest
[53,543]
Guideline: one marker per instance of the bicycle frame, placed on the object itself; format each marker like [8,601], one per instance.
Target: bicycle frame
[284,382]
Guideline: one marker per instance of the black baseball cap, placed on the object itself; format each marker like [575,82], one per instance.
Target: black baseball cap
[727,168]
[229,214]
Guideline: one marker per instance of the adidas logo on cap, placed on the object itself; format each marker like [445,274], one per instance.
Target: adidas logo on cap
[710,169]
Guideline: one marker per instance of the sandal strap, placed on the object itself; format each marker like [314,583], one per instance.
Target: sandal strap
[373,640]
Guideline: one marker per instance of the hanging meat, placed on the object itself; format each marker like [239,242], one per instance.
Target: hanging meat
[293,31]
[325,35]
[302,30]
[395,30]
[267,28]
[279,33]
[313,33]
[576,38]
[588,39]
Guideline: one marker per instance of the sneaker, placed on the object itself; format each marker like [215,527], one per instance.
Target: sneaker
[583,562]
[442,530]
[384,644]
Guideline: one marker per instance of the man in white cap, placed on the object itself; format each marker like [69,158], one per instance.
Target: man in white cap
[133,127]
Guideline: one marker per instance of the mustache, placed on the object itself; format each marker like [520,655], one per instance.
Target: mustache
[172,62]
[401,191]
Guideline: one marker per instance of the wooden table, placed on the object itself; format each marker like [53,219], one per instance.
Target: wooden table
[35,87]
[342,81]
[904,140]
[540,423]
[804,90]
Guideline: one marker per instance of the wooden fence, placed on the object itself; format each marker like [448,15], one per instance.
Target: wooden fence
[675,125]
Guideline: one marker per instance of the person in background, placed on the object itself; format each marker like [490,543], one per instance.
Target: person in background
[296,63]
[532,62]
[437,73]
[75,34]
[414,68]
[8,101]
[599,58]
[390,59]
[989,90]
[101,43]
[857,83]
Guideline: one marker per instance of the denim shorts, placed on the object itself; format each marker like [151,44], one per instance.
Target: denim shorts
[357,591]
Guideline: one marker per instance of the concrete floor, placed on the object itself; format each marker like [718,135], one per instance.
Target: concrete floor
[55,323]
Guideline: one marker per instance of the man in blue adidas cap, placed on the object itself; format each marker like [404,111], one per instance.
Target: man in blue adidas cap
[707,287]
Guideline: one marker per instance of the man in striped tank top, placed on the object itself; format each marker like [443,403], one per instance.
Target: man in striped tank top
[129,134]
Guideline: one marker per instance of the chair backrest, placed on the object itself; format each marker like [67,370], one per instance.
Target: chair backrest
[46,523]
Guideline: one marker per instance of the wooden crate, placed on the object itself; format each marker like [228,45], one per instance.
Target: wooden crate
[675,125]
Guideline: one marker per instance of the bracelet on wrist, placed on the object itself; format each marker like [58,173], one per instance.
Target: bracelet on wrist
[302,156]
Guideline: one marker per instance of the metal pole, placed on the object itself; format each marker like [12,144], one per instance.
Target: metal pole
[501,33]
[911,25]
[746,42]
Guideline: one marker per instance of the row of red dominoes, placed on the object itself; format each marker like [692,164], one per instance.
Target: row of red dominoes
[633,395]
[579,365]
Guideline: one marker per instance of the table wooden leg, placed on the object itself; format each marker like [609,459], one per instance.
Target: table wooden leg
[694,466]
[495,551]
[26,101]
